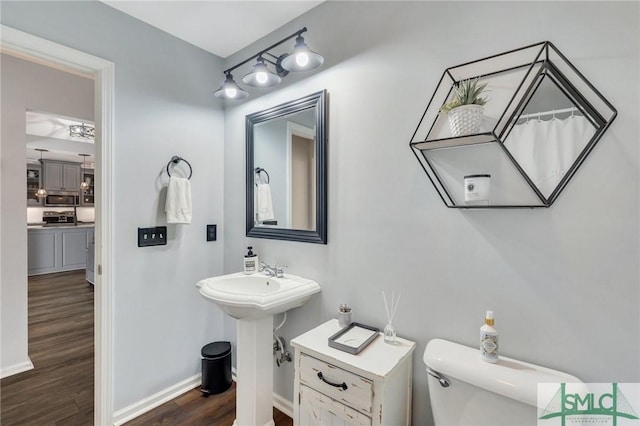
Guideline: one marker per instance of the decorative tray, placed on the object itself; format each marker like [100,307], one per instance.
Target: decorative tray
[354,338]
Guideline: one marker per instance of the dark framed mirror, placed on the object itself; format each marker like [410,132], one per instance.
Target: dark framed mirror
[286,171]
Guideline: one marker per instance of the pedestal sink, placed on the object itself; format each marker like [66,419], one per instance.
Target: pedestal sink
[253,300]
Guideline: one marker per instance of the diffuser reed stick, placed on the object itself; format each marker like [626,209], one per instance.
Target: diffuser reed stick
[389,330]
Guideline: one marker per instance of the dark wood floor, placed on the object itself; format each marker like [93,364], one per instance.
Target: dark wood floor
[59,390]
[194,410]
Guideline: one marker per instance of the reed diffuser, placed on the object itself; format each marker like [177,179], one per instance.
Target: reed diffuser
[389,330]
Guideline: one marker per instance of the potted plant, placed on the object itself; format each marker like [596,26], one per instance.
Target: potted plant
[465,108]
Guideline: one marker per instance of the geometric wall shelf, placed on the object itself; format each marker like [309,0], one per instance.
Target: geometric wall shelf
[542,119]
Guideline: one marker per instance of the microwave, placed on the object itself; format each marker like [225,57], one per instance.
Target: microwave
[62,198]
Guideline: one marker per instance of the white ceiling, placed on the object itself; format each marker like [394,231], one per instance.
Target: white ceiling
[51,132]
[219,27]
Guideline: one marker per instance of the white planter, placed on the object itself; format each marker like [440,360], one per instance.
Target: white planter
[465,119]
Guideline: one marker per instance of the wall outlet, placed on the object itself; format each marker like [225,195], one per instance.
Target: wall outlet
[156,236]
[212,232]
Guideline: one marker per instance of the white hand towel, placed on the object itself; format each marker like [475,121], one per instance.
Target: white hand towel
[178,205]
[264,203]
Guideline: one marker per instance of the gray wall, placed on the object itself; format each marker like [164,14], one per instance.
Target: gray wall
[25,85]
[163,107]
[564,281]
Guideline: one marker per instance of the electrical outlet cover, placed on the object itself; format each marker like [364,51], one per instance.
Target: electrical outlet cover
[212,232]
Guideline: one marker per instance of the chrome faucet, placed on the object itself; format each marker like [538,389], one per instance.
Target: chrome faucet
[272,271]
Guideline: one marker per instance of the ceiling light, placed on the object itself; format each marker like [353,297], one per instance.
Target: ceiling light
[260,76]
[301,58]
[230,89]
[82,131]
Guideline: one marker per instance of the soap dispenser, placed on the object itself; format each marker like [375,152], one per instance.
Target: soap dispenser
[250,261]
[489,339]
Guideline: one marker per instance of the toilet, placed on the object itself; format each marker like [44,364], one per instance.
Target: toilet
[465,390]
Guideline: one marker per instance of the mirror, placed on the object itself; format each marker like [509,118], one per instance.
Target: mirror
[286,179]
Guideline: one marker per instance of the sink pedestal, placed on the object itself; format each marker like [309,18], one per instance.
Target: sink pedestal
[253,300]
[254,375]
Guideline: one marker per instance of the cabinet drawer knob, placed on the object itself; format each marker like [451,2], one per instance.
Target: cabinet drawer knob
[342,385]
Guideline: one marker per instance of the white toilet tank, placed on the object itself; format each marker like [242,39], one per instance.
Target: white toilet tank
[480,393]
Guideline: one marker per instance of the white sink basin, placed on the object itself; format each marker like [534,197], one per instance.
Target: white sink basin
[253,300]
[257,295]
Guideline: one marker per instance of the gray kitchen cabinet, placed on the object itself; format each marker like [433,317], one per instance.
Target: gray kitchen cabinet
[91,265]
[57,249]
[61,176]
[74,249]
[88,194]
[42,251]
[34,182]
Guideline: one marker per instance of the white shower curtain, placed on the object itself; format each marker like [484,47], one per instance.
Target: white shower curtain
[546,149]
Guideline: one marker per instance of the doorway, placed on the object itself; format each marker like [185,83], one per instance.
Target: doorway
[36,49]
[301,176]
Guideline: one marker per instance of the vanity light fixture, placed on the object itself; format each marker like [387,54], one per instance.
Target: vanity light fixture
[84,185]
[260,76]
[41,192]
[301,58]
[82,131]
[230,89]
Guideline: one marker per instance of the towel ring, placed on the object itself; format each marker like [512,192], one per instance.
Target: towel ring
[175,160]
[260,170]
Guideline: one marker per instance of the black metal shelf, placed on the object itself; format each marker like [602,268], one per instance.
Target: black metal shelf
[521,82]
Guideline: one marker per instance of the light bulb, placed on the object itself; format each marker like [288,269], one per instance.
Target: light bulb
[261,77]
[302,59]
[84,185]
[230,92]
[41,193]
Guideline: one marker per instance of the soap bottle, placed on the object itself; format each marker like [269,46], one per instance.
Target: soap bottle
[489,339]
[250,261]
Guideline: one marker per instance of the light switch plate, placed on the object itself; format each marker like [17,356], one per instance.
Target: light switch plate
[156,236]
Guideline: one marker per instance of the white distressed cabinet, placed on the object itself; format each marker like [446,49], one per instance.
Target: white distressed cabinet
[335,388]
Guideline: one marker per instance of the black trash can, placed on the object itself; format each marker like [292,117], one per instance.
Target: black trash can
[216,368]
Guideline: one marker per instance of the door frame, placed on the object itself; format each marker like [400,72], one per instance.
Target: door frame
[46,52]
[295,129]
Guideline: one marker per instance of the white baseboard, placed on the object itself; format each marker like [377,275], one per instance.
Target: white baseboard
[134,410]
[283,404]
[16,368]
[139,408]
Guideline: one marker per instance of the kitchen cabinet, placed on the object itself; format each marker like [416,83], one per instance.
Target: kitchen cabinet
[91,265]
[57,249]
[61,176]
[333,387]
[87,198]
[34,182]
